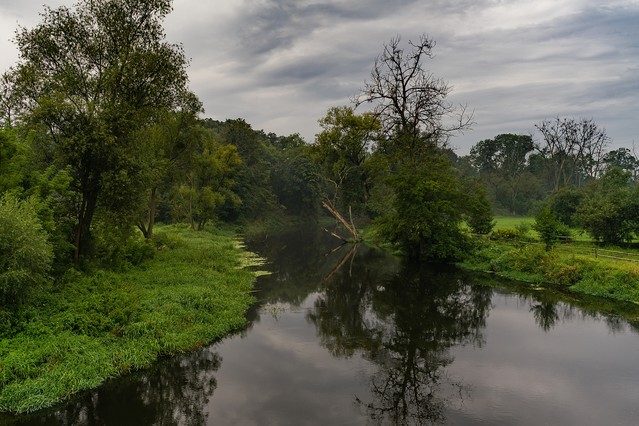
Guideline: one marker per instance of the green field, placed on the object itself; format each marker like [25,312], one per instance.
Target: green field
[502,222]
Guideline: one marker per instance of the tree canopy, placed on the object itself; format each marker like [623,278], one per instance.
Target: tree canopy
[91,77]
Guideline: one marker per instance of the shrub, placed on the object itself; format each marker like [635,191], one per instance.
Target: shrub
[550,229]
[504,234]
[25,254]
[562,273]
[530,258]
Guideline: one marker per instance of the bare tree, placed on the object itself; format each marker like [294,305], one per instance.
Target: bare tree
[409,100]
[575,149]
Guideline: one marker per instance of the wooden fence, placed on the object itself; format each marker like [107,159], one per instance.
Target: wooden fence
[593,251]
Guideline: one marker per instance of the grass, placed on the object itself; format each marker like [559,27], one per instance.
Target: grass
[578,273]
[513,222]
[90,328]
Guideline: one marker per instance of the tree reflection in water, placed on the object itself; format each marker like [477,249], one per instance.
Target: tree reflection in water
[173,392]
[405,323]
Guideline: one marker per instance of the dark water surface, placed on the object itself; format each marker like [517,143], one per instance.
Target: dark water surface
[355,337]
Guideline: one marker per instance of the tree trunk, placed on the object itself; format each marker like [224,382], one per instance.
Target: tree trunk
[82,229]
[152,208]
[349,227]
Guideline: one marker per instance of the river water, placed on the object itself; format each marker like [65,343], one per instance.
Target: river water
[356,337]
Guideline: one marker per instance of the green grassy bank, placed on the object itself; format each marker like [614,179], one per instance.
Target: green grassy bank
[579,273]
[90,328]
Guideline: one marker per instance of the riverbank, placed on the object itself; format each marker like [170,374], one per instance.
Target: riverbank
[90,328]
[578,273]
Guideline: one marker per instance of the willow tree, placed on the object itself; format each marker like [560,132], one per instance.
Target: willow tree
[94,76]
[429,201]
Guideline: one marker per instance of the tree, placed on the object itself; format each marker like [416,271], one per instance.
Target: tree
[564,204]
[479,214]
[254,176]
[168,150]
[623,158]
[209,184]
[409,100]
[342,148]
[550,229]
[425,211]
[93,76]
[502,163]
[296,182]
[573,148]
[610,209]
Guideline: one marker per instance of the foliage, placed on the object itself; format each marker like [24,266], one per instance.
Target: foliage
[502,164]
[92,77]
[13,161]
[167,157]
[98,326]
[564,204]
[296,181]
[253,176]
[505,234]
[426,217]
[579,273]
[479,211]
[342,149]
[549,228]
[610,209]
[212,182]
[25,254]
[624,159]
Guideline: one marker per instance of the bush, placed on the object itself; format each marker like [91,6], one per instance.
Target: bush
[562,273]
[118,247]
[550,229]
[25,254]
[530,258]
[504,234]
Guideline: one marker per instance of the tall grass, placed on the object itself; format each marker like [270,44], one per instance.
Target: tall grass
[91,328]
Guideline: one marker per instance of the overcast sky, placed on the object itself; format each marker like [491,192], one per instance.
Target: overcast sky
[280,64]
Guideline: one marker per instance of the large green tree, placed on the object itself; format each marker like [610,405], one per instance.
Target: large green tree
[342,148]
[93,76]
[610,210]
[502,164]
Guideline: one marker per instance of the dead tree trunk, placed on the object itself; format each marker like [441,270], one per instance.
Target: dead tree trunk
[350,228]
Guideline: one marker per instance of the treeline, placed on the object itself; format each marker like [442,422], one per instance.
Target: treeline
[568,177]
[101,138]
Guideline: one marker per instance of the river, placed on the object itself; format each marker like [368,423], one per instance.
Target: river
[355,337]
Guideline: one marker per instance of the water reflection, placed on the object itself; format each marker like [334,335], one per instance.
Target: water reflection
[353,336]
[172,392]
[404,321]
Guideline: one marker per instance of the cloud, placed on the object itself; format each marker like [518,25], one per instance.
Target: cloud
[280,64]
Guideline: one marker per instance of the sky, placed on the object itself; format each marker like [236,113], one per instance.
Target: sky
[281,64]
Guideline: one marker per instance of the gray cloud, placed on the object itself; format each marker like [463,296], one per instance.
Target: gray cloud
[282,64]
